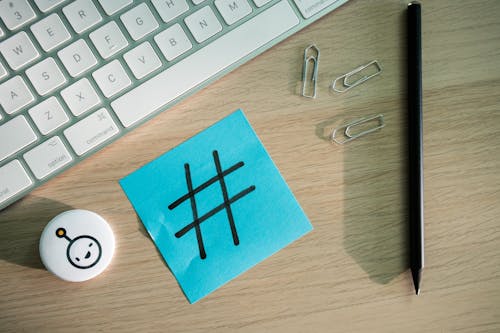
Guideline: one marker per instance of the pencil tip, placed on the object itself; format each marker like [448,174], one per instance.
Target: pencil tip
[416,274]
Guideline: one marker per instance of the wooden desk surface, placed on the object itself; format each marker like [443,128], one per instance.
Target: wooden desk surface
[350,273]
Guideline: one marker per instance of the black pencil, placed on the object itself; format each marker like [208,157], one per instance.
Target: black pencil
[415,145]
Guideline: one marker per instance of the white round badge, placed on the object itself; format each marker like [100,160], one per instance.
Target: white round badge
[77,245]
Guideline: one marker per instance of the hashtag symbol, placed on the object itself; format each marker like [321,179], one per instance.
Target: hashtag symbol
[225,205]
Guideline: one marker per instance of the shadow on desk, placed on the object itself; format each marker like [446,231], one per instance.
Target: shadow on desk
[375,222]
[20,229]
[375,217]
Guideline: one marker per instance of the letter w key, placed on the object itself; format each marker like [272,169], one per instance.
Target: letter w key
[18,50]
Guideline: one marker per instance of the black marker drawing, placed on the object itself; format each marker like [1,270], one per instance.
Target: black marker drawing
[225,205]
[83,251]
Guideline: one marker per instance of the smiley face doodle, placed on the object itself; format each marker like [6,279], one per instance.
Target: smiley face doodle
[83,251]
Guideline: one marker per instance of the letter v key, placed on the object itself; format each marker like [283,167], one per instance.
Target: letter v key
[142,60]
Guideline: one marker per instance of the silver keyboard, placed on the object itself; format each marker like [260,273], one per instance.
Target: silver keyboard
[77,75]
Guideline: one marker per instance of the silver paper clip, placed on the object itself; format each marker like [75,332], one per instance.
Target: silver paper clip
[345,79]
[348,134]
[309,86]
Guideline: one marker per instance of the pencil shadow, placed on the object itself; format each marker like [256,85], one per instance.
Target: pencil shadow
[375,227]
[375,223]
[21,228]
[375,176]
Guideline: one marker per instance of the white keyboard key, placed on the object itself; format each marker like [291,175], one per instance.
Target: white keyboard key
[80,97]
[1,32]
[90,132]
[18,50]
[310,7]
[48,115]
[108,39]
[142,60]
[16,13]
[112,6]
[111,78]
[3,71]
[197,2]
[14,136]
[50,32]
[45,76]
[203,24]
[173,42]
[14,94]
[77,58]
[13,179]
[82,15]
[139,21]
[46,5]
[204,64]
[48,157]
[170,9]
[260,3]
[233,10]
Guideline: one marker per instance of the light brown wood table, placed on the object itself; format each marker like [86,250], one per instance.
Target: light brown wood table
[349,274]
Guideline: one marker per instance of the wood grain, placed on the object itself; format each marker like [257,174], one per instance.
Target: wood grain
[350,273]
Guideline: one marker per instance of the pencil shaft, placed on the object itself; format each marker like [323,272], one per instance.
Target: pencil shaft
[415,143]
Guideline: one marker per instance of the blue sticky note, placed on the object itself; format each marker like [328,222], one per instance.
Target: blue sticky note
[215,206]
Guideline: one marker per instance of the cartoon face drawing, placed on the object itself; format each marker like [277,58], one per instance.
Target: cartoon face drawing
[83,251]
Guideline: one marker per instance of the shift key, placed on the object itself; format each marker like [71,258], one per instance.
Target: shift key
[13,179]
[92,131]
[15,135]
